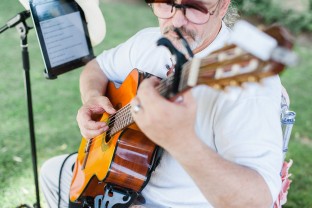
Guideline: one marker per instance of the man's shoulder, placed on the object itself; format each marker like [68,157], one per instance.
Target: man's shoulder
[147,34]
[145,38]
[152,31]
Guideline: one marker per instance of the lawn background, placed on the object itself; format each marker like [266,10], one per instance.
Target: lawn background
[55,103]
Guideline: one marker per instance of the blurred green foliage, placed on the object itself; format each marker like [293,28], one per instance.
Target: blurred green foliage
[269,11]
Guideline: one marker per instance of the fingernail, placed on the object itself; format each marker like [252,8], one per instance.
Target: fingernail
[179,99]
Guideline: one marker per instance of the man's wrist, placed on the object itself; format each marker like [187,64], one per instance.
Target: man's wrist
[89,95]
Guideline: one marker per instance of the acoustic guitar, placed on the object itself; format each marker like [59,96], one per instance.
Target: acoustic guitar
[115,166]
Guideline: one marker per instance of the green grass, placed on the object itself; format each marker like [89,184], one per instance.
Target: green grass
[55,103]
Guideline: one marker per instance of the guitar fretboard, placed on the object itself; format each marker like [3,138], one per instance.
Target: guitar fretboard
[215,70]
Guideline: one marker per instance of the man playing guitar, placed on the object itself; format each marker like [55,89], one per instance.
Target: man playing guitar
[221,149]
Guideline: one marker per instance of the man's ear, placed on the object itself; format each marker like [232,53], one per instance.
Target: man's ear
[224,5]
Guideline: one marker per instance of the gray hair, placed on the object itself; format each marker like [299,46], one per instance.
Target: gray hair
[231,16]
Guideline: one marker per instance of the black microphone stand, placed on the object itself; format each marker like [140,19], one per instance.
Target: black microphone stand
[19,22]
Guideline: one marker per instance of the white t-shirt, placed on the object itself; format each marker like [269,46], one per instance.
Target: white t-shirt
[241,124]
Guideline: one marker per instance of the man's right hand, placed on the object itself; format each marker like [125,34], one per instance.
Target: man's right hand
[88,116]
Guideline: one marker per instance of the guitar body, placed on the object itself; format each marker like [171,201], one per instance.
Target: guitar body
[124,160]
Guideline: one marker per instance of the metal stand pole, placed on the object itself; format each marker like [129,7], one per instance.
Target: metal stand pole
[23,29]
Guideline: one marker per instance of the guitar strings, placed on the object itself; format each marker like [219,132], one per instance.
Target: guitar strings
[123,116]
[125,111]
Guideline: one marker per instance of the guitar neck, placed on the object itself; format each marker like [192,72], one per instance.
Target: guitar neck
[190,76]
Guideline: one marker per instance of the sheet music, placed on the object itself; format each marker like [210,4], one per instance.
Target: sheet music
[64,38]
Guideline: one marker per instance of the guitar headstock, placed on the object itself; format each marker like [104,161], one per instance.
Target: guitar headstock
[250,56]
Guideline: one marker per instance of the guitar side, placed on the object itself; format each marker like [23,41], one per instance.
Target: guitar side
[121,160]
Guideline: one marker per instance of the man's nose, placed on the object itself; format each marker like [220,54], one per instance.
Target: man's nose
[179,19]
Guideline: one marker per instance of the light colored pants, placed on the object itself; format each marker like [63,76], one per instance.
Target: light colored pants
[49,180]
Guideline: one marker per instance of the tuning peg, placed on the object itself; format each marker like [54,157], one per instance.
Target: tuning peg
[217,87]
[252,79]
[234,83]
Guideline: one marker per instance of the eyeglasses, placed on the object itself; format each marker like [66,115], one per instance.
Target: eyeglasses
[195,12]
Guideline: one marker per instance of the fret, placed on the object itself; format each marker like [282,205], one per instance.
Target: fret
[121,120]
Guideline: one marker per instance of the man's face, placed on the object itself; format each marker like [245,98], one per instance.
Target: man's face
[195,34]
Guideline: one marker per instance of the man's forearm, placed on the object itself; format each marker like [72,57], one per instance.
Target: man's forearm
[93,81]
[223,183]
